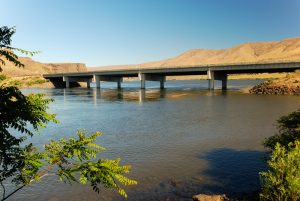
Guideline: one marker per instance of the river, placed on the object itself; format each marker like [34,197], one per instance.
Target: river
[180,141]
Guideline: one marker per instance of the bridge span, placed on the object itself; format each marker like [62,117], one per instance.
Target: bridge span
[213,72]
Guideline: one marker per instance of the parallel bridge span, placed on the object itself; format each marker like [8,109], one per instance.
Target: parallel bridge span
[213,72]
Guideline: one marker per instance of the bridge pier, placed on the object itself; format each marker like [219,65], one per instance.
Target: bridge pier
[107,78]
[97,80]
[211,79]
[222,77]
[71,80]
[66,80]
[224,83]
[151,77]
[119,84]
[142,78]
[215,75]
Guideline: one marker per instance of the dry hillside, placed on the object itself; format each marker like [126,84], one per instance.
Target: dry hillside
[284,50]
[36,68]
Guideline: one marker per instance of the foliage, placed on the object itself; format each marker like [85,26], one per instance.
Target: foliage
[70,158]
[7,51]
[36,81]
[282,180]
[2,77]
[73,156]
[288,131]
[73,160]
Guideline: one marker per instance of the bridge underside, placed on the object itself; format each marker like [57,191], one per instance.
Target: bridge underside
[213,73]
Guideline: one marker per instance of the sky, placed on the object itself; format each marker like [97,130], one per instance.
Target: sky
[113,32]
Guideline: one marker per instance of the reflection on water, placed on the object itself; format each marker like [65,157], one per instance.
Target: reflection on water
[180,141]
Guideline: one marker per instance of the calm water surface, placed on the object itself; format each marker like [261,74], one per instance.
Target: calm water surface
[180,141]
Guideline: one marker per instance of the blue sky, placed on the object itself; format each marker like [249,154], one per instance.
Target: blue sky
[108,32]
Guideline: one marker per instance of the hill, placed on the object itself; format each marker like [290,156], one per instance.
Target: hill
[37,68]
[256,52]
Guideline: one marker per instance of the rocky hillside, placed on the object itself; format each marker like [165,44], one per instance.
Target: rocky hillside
[36,68]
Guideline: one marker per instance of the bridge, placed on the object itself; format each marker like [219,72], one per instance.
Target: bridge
[213,72]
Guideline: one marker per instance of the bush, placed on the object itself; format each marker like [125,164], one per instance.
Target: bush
[288,131]
[36,81]
[2,77]
[282,180]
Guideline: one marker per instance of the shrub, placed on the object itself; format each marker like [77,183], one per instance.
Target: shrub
[282,180]
[288,131]
[2,77]
[37,81]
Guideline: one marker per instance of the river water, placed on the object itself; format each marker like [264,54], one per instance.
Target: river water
[180,141]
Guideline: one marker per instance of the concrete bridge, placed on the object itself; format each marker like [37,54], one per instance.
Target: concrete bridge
[213,72]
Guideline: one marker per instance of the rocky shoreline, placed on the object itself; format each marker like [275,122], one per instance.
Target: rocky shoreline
[289,85]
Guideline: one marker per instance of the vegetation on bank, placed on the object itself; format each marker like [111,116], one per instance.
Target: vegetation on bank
[25,81]
[281,182]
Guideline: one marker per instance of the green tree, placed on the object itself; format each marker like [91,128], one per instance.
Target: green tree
[73,160]
[281,182]
[288,131]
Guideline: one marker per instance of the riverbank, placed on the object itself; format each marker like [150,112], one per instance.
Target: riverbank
[288,85]
[34,81]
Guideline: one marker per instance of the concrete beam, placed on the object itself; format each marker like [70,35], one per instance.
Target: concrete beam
[110,78]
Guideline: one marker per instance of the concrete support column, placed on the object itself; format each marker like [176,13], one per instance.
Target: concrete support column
[162,84]
[211,79]
[66,79]
[142,78]
[97,80]
[119,84]
[224,82]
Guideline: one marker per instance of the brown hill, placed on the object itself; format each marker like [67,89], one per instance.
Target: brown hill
[285,50]
[37,68]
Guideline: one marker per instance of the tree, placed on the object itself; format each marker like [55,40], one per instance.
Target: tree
[288,131]
[73,160]
[281,182]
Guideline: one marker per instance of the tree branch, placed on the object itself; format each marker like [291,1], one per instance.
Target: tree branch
[4,191]
[4,198]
